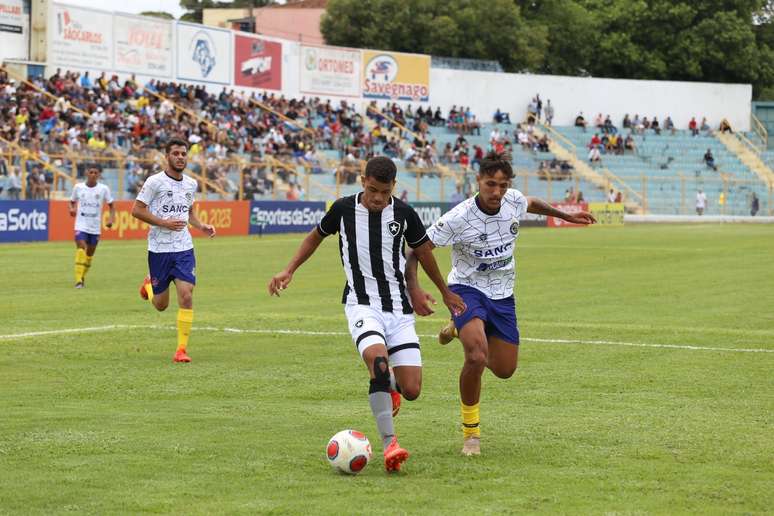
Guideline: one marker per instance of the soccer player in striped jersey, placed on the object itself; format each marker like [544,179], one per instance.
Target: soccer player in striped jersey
[373,226]
[86,206]
[482,232]
[166,203]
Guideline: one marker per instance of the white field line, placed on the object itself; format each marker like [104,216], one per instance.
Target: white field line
[113,327]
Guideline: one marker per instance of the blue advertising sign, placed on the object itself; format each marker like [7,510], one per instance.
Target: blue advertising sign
[23,221]
[284,216]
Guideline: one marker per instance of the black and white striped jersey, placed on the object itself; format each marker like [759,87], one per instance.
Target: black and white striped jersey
[372,251]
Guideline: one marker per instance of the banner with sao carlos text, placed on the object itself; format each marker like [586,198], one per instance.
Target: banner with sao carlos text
[203,54]
[330,71]
[257,62]
[396,76]
[142,45]
[79,37]
[14,30]
[228,217]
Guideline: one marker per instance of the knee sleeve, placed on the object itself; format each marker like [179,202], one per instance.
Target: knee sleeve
[381,380]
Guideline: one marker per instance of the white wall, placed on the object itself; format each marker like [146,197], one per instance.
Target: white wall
[484,92]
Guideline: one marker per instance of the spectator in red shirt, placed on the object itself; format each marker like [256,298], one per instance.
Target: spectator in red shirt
[692,127]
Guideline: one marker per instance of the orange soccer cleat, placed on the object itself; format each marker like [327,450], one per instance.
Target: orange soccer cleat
[395,395]
[143,287]
[394,456]
[180,356]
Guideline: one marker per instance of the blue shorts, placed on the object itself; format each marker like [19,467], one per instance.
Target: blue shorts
[499,315]
[89,238]
[165,267]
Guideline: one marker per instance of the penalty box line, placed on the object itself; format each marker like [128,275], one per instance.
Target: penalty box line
[311,333]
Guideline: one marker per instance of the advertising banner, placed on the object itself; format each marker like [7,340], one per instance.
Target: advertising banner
[533,220]
[228,217]
[569,208]
[79,37]
[395,76]
[430,212]
[330,71]
[284,216]
[14,30]
[23,221]
[142,45]
[257,63]
[203,54]
[607,214]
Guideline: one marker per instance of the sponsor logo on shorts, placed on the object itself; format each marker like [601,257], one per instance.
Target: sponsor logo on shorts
[359,324]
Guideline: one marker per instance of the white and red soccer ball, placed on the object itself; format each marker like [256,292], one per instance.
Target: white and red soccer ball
[349,451]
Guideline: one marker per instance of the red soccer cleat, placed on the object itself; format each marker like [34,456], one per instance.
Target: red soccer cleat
[180,356]
[395,395]
[143,291]
[394,456]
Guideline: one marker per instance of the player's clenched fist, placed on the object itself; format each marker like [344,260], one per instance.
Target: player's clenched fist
[279,282]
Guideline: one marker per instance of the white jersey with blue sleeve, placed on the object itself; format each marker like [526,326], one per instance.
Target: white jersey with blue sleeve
[482,244]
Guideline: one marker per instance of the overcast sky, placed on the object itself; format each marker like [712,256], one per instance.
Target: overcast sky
[132,6]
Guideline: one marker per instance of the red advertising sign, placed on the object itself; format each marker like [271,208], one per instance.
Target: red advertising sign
[257,63]
[568,208]
[228,217]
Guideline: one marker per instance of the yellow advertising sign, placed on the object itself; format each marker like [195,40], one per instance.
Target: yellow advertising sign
[607,214]
[396,76]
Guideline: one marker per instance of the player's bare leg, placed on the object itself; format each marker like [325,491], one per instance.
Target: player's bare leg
[503,357]
[476,347]
[376,359]
[184,318]
[447,333]
[407,382]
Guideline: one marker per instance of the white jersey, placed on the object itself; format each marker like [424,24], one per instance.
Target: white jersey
[90,199]
[482,244]
[168,198]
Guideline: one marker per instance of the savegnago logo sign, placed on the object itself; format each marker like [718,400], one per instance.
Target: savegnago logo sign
[385,78]
[72,30]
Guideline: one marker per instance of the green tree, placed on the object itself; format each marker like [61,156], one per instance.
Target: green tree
[194,7]
[158,14]
[493,29]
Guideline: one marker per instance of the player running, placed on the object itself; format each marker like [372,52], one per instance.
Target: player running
[166,203]
[482,232]
[373,226]
[86,206]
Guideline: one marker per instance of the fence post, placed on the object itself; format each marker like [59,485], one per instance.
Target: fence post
[23,172]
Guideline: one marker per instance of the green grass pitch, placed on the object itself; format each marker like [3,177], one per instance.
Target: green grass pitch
[102,422]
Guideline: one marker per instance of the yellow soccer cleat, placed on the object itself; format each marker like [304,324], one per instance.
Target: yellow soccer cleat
[448,333]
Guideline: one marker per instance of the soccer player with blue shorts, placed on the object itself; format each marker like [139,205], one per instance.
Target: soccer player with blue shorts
[166,203]
[482,232]
[86,206]
[374,228]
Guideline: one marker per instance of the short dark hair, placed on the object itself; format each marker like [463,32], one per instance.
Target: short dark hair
[174,142]
[382,169]
[493,162]
[93,164]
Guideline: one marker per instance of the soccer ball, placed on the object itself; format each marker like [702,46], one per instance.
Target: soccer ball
[349,451]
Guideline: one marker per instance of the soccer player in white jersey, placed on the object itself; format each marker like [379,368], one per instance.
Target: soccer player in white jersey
[482,232]
[86,206]
[166,203]
[373,226]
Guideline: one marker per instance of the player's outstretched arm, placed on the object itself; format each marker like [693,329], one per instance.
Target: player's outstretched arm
[209,229]
[140,211]
[112,216]
[282,279]
[425,256]
[421,300]
[540,207]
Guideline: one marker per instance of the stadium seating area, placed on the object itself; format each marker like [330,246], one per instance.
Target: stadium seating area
[271,146]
